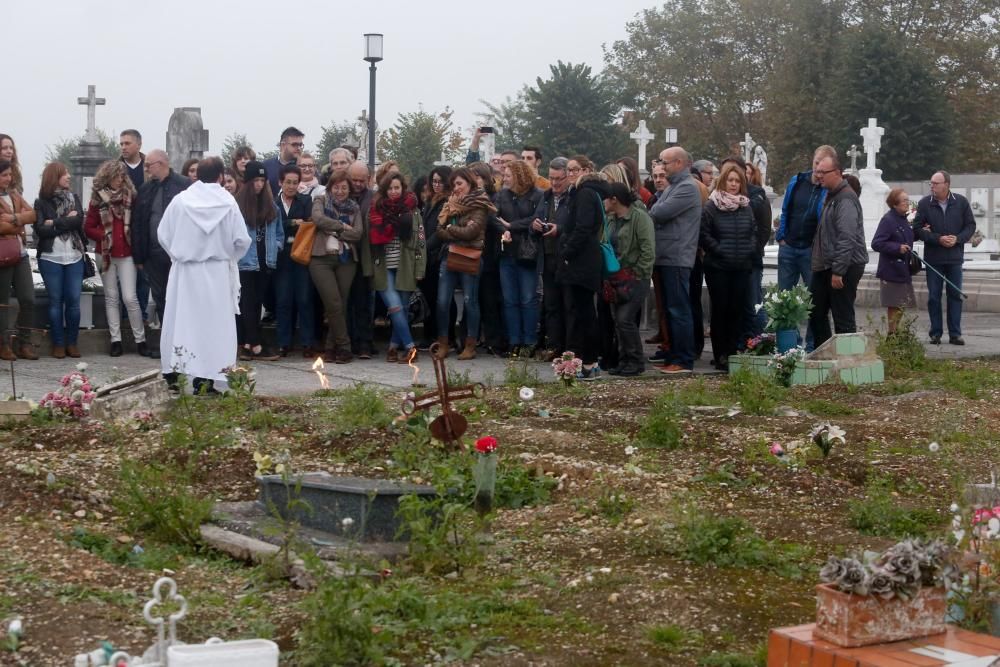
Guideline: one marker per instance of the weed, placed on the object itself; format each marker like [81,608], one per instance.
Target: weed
[673,637]
[822,407]
[150,557]
[262,420]
[756,659]
[614,506]
[662,426]
[158,499]
[520,372]
[697,392]
[732,542]
[456,379]
[901,351]
[969,382]
[360,408]
[881,514]
[756,393]
[442,534]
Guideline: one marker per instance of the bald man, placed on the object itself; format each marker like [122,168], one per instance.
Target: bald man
[361,302]
[677,223]
[162,185]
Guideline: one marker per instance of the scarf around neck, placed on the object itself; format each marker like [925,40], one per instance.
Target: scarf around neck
[113,204]
[475,199]
[728,202]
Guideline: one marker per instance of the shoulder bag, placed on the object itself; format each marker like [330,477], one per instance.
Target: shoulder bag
[10,251]
[611,263]
[463,259]
[303,244]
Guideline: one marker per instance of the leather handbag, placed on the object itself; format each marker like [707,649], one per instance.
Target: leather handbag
[914,264]
[527,250]
[10,251]
[611,263]
[303,244]
[463,259]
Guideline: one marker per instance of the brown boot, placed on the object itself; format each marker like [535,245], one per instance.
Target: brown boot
[27,351]
[7,354]
[470,350]
[58,351]
[73,351]
[442,350]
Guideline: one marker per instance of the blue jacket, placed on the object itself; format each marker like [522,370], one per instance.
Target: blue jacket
[271,167]
[930,224]
[801,177]
[274,239]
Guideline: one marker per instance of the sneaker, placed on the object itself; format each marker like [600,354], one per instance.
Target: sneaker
[956,340]
[935,340]
[659,355]
[264,355]
[674,369]
[116,348]
[245,354]
[626,372]
[589,374]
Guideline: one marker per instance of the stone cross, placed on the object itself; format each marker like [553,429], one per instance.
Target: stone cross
[872,134]
[747,145]
[91,100]
[642,136]
[443,161]
[854,154]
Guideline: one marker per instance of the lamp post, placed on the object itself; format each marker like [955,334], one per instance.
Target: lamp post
[373,54]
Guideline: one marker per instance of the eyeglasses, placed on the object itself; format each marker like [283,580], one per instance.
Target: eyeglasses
[295,144]
[437,181]
[153,163]
[574,170]
[821,172]
[307,166]
[937,182]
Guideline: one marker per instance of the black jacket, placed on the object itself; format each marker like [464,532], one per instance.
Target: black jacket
[45,209]
[519,212]
[547,212]
[143,209]
[761,208]
[729,238]
[491,241]
[579,257]
[430,214]
[956,221]
[301,209]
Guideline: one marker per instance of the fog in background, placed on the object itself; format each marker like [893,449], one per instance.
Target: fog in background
[257,67]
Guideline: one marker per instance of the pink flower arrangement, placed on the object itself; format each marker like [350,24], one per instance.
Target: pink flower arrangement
[984,514]
[566,367]
[74,396]
[486,445]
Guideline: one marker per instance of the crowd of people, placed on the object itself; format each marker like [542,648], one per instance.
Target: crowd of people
[545,264]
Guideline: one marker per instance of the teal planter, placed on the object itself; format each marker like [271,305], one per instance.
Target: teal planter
[786,339]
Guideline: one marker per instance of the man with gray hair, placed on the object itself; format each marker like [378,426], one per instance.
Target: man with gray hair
[944,222]
[150,202]
[677,223]
[339,158]
[549,216]
[361,301]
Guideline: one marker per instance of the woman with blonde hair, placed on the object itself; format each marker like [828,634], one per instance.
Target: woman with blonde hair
[520,256]
[15,213]
[61,247]
[109,224]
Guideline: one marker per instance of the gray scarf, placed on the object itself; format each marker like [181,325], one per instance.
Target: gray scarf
[65,202]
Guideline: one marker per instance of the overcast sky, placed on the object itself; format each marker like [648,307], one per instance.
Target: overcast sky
[257,67]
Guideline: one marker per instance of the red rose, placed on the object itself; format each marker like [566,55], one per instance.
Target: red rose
[486,445]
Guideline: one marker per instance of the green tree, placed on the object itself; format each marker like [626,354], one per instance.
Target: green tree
[884,77]
[573,112]
[231,143]
[64,149]
[418,140]
[331,137]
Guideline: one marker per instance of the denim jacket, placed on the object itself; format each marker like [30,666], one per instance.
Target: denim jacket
[274,239]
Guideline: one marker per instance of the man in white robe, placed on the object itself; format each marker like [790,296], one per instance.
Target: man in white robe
[204,233]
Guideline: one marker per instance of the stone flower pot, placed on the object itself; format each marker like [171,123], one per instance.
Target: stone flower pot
[859,620]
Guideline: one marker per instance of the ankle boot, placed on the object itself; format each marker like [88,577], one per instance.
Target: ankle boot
[442,350]
[73,351]
[58,351]
[470,350]
[27,351]
[7,354]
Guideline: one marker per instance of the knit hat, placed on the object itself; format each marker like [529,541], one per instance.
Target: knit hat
[254,169]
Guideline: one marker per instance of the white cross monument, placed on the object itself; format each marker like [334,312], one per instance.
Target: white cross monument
[92,101]
[747,145]
[873,188]
[642,136]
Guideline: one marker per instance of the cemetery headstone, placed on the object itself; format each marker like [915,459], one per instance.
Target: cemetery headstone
[873,188]
[186,136]
[642,136]
[90,153]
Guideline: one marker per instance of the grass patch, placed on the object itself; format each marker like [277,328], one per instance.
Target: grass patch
[360,408]
[520,372]
[756,659]
[822,407]
[662,426]
[880,514]
[673,637]
[757,394]
[902,352]
[697,392]
[150,557]
[158,499]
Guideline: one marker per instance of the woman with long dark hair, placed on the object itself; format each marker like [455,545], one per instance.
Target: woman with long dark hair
[439,191]
[399,258]
[15,213]
[491,318]
[261,217]
[238,163]
[109,224]
[729,239]
[521,257]
[334,262]
[61,247]
[461,223]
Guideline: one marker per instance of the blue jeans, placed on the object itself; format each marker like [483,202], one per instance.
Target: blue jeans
[63,282]
[293,293]
[676,292]
[396,303]
[795,264]
[519,284]
[952,272]
[447,282]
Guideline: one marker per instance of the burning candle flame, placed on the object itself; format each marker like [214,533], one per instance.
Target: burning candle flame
[324,382]
[409,362]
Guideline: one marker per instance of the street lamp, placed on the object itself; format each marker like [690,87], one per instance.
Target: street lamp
[373,54]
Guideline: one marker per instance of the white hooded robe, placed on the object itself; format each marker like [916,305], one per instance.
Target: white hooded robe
[204,233]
